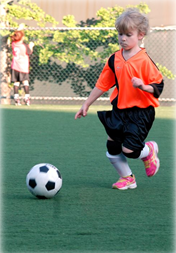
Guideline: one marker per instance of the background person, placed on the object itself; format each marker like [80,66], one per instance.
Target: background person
[20,65]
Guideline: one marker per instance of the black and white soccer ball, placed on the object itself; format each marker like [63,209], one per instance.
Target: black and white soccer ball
[44,180]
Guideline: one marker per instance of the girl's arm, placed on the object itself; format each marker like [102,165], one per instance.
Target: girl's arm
[96,93]
[138,83]
[29,48]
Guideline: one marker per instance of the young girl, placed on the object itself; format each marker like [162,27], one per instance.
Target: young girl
[138,85]
[20,65]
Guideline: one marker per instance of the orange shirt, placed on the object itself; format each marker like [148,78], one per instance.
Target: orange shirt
[140,66]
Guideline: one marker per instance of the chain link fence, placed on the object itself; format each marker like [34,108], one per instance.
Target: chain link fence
[67,81]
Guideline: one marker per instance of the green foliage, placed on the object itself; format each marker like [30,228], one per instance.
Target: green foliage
[69,21]
[107,17]
[67,46]
[26,10]
[166,72]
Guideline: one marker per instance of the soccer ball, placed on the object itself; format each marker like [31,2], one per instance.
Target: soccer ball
[44,180]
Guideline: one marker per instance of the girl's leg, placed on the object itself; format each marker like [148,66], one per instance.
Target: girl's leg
[16,95]
[135,137]
[26,90]
[149,155]
[119,162]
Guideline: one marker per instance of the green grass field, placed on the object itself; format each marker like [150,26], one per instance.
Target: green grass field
[86,215]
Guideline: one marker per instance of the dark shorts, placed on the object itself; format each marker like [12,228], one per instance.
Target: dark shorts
[129,127]
[17,76]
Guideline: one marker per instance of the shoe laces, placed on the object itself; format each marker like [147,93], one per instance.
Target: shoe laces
[122,179]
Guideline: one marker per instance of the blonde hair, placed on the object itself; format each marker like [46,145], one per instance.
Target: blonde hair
[132,19]
[17,36]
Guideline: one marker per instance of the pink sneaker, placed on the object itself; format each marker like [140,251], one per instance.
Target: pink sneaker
[151,162]
[125,183]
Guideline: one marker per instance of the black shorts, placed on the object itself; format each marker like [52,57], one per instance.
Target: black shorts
[129,127]
[17,76]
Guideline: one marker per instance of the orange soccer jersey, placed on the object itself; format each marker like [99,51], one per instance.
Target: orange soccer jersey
[140,66]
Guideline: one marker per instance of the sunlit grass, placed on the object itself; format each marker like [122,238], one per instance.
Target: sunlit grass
[161,112]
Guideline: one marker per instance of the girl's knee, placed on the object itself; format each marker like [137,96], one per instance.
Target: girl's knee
[114,148]
[25,83]
[16,84]
[130,153]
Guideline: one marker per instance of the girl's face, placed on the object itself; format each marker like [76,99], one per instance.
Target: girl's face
[21,41]
[129,40]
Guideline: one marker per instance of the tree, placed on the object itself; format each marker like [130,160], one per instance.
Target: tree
[81,51]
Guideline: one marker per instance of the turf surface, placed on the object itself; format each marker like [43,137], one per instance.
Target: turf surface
[86,215]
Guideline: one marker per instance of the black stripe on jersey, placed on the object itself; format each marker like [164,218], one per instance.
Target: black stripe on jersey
[158,87]
[112,67]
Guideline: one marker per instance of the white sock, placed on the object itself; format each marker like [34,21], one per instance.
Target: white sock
[145,152]
[27,96]
[120,164]
[16,96]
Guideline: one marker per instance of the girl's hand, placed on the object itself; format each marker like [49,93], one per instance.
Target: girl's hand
[31,44]
[82,112]
[138,83]
[95,93]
